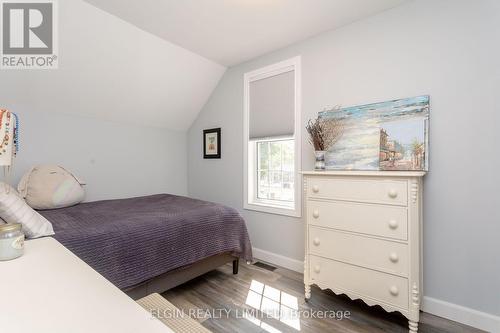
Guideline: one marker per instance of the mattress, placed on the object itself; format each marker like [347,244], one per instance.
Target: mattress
[130,241]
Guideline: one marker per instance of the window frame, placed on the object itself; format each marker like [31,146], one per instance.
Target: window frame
[250,163]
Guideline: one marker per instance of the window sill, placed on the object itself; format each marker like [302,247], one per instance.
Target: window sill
[272,209]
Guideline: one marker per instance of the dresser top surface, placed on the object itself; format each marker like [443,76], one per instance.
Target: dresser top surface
[364,173]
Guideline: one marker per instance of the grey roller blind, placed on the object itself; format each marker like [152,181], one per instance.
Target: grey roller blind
[272,106]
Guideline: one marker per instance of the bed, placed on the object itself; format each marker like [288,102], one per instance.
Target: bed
[152,243]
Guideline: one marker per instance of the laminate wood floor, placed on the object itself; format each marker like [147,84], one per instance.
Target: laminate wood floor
[224,302]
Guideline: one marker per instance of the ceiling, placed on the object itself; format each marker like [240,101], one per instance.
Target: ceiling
[232,31]
[112,70]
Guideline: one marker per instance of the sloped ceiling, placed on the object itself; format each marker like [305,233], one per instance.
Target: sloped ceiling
[110,69]
[156,62]
[232,31]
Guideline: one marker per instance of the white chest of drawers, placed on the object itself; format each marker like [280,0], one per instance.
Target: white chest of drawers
[363,237]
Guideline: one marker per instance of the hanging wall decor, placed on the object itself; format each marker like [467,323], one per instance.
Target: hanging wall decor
[389,135]
[9,137]
[211,143]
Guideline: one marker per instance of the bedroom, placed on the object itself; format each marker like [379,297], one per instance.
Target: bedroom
[124,105]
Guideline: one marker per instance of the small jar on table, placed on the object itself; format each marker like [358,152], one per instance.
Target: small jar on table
[11,241]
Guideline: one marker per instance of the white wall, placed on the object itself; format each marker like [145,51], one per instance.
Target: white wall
[445,48]
[116,160]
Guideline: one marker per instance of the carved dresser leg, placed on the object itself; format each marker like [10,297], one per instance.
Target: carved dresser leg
[308,292]
[414,309]
[413,326]
[306,280]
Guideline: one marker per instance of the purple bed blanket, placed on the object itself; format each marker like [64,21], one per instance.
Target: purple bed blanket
[130,241]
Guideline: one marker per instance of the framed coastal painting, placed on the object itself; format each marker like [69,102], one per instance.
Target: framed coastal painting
[211,143]
[392,135]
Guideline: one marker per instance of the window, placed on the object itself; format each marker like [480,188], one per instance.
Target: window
[271,131]
[275,170]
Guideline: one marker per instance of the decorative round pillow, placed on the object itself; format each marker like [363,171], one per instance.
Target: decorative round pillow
[50,187]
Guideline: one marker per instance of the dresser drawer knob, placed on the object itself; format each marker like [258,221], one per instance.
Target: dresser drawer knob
[315,188]
[317,269]
[394,291]
[393,224]
[393,194]
[316,241]
[315,214]
[394,257]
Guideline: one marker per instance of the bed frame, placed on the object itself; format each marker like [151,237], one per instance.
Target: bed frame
[181,275]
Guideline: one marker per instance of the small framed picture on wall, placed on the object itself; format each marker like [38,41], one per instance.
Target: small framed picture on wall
[211,143]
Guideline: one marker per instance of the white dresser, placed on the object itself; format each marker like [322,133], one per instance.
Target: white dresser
[363,237]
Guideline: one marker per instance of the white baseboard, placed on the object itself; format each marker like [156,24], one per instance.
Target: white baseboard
[278,259]
[461,314]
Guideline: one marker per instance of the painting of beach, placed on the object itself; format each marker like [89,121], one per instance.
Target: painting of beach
[390,135]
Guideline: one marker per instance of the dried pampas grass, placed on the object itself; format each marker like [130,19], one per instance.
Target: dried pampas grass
[324,133]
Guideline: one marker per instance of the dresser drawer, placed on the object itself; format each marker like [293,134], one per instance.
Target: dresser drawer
[379,220]
[387,256]
[391,192]
[380,287]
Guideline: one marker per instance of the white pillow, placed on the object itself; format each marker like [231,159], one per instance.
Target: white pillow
[13,209]
[51,187]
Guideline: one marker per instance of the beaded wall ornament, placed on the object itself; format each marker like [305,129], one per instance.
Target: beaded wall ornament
[5,135]
[16,134]
[2,111]
[6,132]
[9,140]
[9,137]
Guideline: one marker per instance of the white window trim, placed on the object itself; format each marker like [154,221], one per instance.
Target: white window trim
[249,165]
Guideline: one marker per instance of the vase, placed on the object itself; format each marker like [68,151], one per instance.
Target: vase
[319,165]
